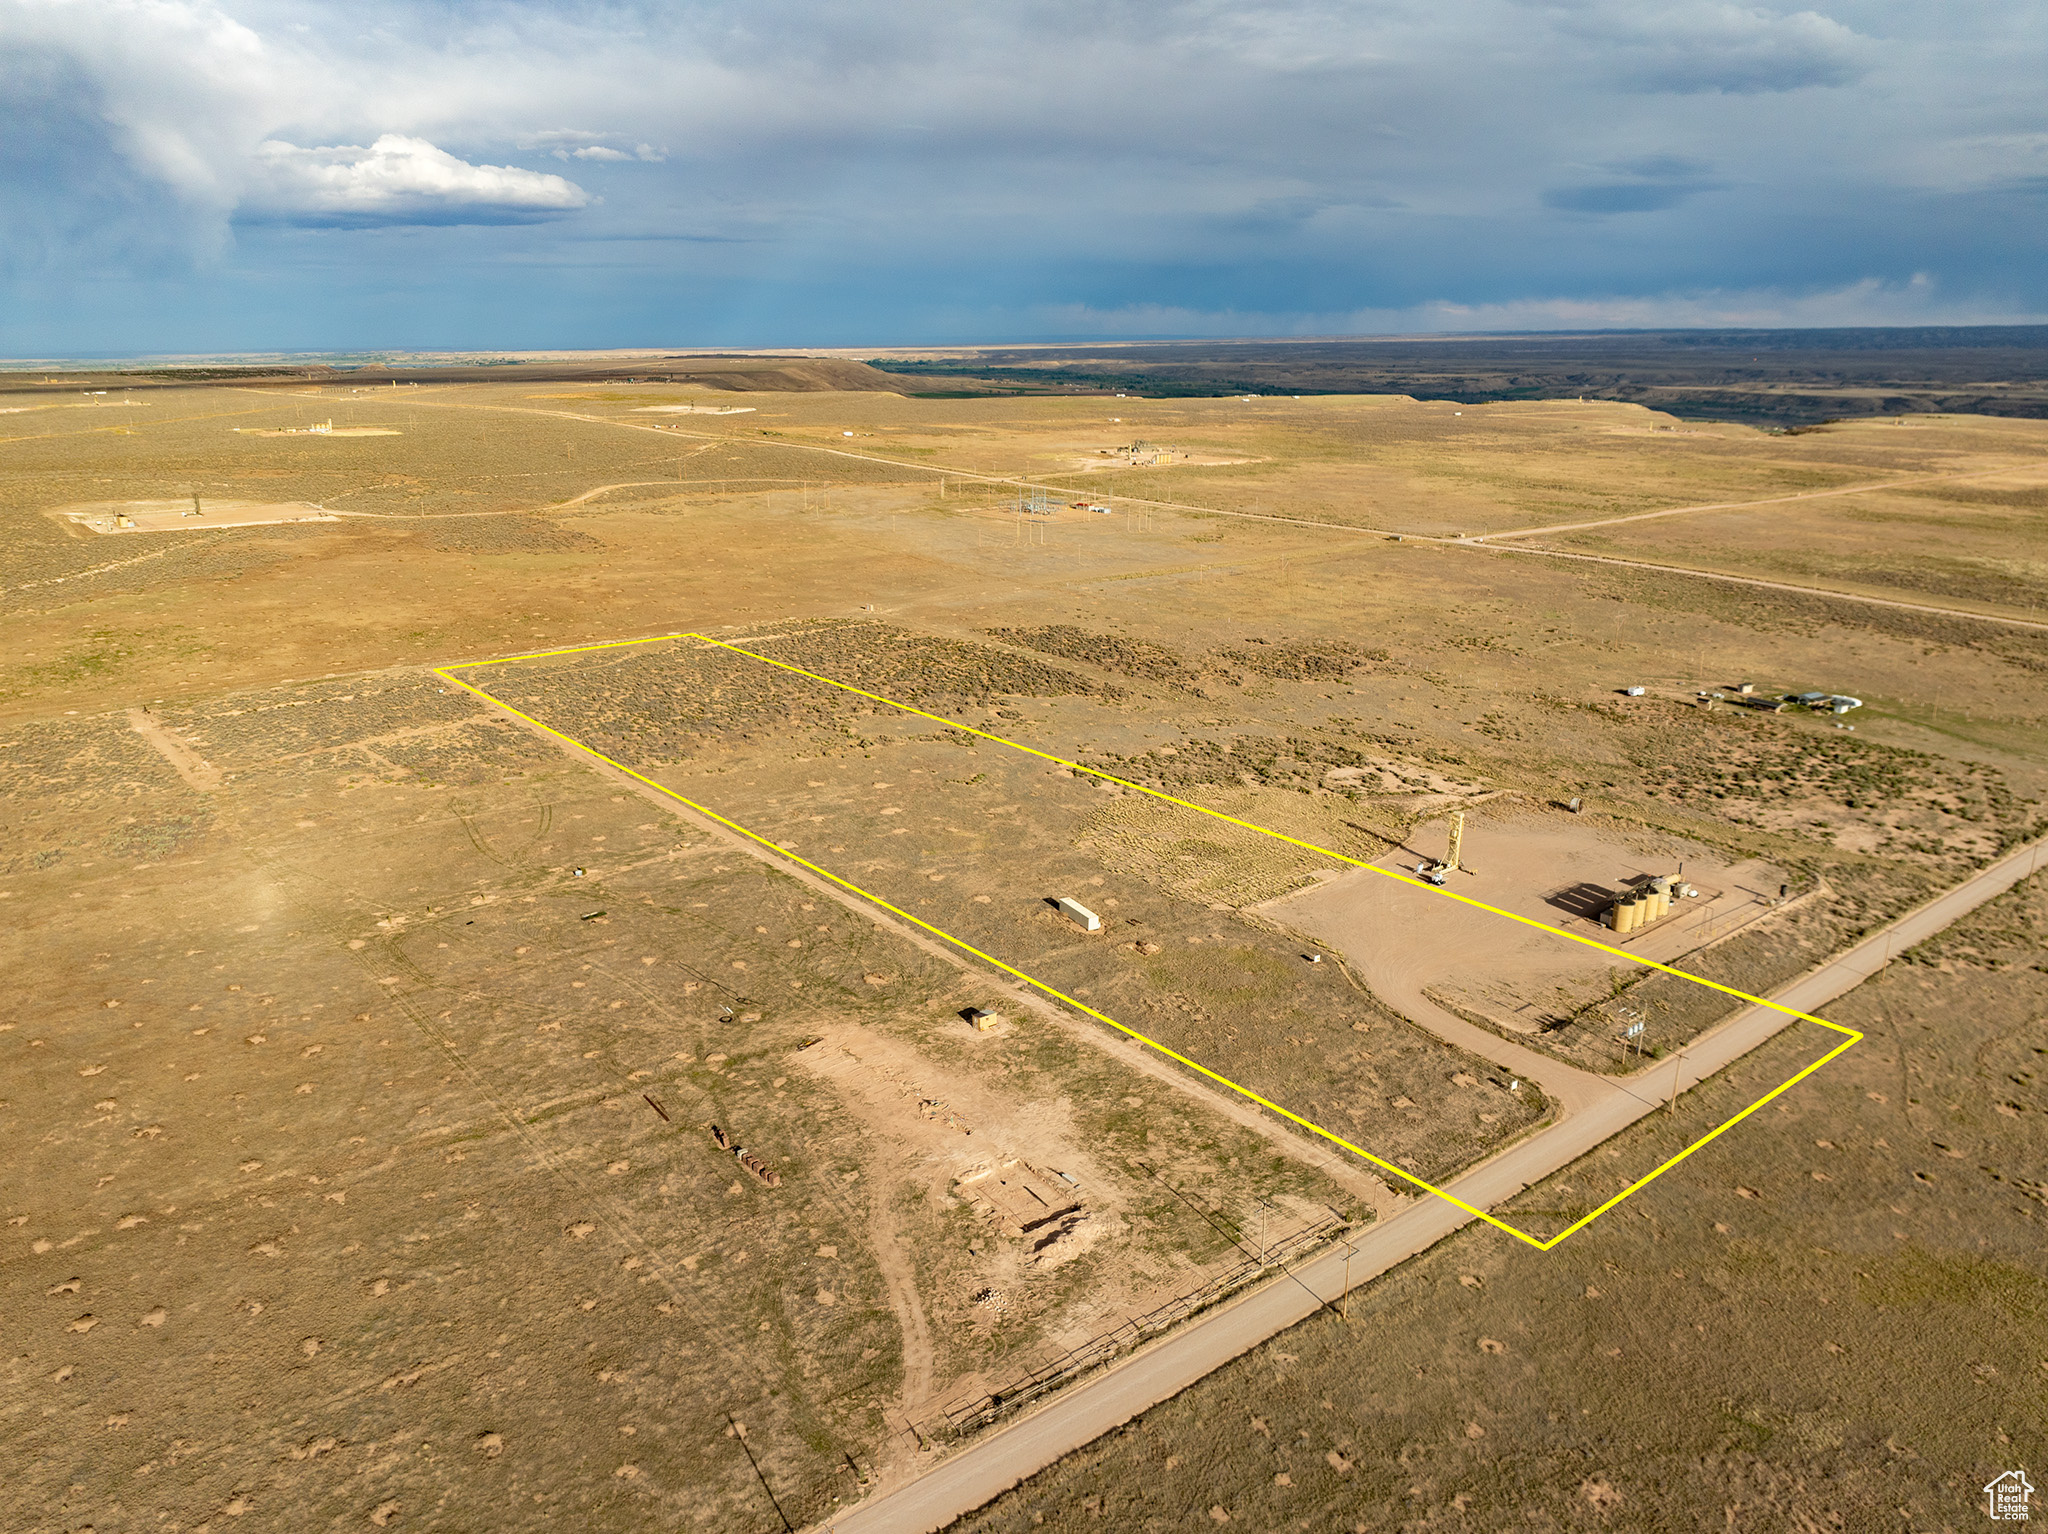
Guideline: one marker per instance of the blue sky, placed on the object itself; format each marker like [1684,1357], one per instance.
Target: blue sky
[190,176]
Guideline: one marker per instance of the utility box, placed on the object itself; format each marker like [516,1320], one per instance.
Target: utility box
[1079,914]
[983,1021]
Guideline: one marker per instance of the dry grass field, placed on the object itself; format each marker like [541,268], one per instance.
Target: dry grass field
[368,1040]
[376,1082]
[1972,542]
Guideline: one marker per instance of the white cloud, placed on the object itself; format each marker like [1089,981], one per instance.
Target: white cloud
[579,144]
[1737,50]
[398,180]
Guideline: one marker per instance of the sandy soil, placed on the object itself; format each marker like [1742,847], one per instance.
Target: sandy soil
[1097,463]
[197,772]
[1555,868]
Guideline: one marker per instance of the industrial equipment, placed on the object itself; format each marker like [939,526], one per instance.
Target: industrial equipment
[1450,863]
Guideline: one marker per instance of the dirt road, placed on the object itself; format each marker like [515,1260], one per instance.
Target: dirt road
[992,1465]
[1769,500]
[1829,592]
[197,772]
[1476,541]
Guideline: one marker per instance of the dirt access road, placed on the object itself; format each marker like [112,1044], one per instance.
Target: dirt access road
[1758,582]
[992,1465]
[1769,500]
[1475,541]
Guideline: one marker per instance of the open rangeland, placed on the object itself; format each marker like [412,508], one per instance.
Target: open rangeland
[368,1039]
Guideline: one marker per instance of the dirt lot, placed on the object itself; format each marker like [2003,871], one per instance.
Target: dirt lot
[188,515]
[363,1142]
[1414,948]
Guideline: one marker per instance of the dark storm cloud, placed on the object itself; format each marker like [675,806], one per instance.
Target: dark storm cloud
[791,170]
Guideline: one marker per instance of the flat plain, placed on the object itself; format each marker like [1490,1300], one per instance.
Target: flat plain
[370,1042]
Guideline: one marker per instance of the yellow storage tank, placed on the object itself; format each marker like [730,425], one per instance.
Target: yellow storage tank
[1667,891]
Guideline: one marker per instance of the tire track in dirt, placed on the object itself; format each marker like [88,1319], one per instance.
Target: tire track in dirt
[197,772]
[1829,592]
[1768,500]
[899,1292]
[119,564]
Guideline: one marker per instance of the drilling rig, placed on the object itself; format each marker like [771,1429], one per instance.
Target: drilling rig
[1438,872]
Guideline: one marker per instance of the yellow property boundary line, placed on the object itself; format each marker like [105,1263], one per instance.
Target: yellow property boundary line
[446,674]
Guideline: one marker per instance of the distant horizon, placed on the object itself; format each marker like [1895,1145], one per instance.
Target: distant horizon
[662,350]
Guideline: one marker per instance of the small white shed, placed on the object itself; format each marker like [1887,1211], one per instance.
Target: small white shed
[1079,914]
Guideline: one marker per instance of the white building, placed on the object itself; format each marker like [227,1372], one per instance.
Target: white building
[1079,914]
